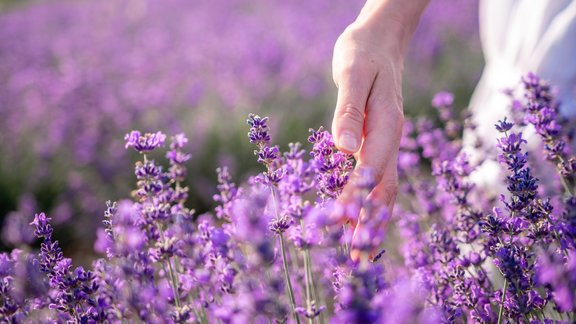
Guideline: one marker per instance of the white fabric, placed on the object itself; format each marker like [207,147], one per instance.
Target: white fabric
[521,36]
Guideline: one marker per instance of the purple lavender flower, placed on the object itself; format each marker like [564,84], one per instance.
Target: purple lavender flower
[333,165]
[16,229]
[443,99]
[569,224]
[370,232]
[280,224]
[178,158]
[144,143]
[43,229]
[108,216]
[443,102]
[313,312]
[355,293]
[259,132]
[75,289]
[227,193]
[542,111]
[504,125]
[268,155]
[8,307]
[559,273]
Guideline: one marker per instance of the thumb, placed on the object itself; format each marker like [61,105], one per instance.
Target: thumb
[347,126]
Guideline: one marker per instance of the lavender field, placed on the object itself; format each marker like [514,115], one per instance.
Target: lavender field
[76,76]
[213,226]
[277,248]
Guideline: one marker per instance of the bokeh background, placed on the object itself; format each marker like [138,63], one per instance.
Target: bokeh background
[75,76]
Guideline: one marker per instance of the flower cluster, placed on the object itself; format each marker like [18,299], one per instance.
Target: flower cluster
[453,238]
[75,289]
[333,165]
[278,248]
[144,143]
[542,111]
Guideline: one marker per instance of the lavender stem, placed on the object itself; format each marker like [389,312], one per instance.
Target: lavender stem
[501,311]
[287,277]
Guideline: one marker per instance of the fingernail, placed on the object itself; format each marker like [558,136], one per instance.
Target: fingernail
[355,255]
[348,142]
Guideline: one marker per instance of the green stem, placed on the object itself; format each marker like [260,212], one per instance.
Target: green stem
[193,307]
[315,296]
[204,315]
[540,315]
[501,312]
[284,261]
[287,277]
[563,180]
[171,274]
[322,301]
[175,285]
[307,280]
[565,185]
[311,274]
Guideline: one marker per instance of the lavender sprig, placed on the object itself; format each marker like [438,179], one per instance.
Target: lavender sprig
[334,166]
[144,143]
[227,193]
[542,111]
[259,134]
[76,289]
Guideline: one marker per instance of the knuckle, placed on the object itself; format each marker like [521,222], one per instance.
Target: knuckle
[378,175]
[351,113]
[385,193]
[389,190]
[344,72]
[376,172]
[348,70]
[396,115]
[355,66]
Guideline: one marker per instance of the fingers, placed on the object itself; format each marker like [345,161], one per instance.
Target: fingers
[385,192]
[354,84]
[379,152]
[371,223]
[382,133]
[383,128]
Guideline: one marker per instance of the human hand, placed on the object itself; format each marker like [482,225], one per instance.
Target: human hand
[367,69]
[369,116]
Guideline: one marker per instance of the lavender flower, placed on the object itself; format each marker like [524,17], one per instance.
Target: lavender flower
[558,273]
[542,111]
[178,158]
[75,289]
[333,165]
[443,99]
[144,143]
[227,193]
[259,133]
[108,215]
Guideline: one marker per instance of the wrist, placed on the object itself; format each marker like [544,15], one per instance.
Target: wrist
[390,21]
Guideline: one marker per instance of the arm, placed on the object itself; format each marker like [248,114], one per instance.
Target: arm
[367,69]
